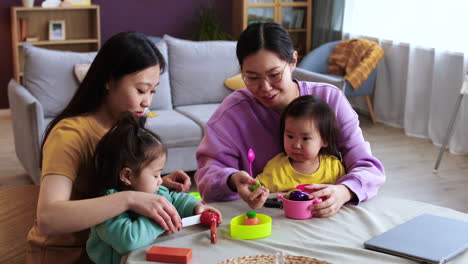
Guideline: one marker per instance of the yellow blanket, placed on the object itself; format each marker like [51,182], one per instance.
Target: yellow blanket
[355,59]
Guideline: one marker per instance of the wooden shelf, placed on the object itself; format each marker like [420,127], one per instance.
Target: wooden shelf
[252,5]
[41,9]
[59,42]
[82,30]
[295,17]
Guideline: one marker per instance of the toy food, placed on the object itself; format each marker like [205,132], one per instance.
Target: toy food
[210,219]
[251,218]
[286,195]
[298,196]
[255,187]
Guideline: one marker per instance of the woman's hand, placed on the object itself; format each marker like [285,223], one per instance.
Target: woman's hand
[177,181]
[333,196]
[158,208]
[241,182]
[200,208]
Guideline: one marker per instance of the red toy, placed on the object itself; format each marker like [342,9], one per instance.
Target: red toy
[210,219]
[169,254]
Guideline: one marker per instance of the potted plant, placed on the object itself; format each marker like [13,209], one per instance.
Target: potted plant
[208,26]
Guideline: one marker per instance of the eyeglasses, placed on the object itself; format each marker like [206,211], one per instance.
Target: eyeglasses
[273,77]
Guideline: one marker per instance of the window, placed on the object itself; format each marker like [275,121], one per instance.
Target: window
[429,23]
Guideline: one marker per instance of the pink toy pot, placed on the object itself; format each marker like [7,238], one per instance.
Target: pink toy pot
[298,209]
[301,187]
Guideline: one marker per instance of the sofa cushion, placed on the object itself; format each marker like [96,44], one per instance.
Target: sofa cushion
[162,98]
[48,75]
[235,82]
[175,129]
[198,113]
[199,68]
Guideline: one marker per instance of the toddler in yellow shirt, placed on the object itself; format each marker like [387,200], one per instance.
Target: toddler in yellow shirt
[310,152]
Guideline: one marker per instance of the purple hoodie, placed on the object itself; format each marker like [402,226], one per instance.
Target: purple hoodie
[241,122]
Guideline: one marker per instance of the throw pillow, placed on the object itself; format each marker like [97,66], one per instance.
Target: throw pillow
[49,77]
[80,71]
[235,82]
[199,68]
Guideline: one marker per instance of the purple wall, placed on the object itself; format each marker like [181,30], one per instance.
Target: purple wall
[157,17]
[152,17]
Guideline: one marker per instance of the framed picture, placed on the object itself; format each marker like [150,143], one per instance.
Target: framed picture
[57,30]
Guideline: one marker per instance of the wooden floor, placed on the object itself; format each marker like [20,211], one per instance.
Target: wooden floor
[408,163]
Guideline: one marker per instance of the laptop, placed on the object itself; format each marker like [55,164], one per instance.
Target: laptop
[425,238]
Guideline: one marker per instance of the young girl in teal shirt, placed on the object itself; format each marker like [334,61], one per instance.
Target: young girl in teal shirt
[130,157]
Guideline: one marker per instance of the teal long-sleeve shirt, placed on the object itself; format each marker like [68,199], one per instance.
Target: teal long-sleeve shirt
[128,231]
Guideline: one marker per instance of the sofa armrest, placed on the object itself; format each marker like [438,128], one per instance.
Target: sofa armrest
[308,76]
[27,117]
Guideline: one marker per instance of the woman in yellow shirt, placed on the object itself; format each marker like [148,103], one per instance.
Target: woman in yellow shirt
[310,152]
[123,77]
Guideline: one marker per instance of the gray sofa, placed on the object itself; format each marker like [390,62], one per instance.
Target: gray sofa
[189,92]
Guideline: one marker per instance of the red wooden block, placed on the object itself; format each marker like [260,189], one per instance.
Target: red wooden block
[169,254]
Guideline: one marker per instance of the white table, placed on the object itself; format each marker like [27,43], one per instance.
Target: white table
[337,239]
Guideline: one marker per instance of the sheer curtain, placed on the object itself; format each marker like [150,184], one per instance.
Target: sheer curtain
[419,79]
[327,21]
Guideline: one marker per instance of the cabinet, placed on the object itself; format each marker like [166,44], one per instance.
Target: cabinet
[81,27]
[294,15]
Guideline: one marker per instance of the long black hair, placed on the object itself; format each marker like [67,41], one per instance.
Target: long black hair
[128,144]
[124,53]
[264,35]
[323,116]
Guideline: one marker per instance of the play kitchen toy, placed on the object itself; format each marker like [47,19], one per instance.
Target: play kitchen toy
[241,231]
[251,158]
[296,204]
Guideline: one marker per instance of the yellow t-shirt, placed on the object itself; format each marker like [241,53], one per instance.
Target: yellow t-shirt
[68,151]
[280,176]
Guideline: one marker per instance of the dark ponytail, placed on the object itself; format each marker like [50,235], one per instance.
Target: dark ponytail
[128,144]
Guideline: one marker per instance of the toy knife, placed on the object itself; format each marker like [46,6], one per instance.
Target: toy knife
[191,220]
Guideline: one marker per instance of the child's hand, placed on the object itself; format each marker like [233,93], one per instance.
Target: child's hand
[334,196]
[200,208]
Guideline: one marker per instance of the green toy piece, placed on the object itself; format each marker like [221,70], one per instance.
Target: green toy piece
[255,187]
[196,195]
[251,214]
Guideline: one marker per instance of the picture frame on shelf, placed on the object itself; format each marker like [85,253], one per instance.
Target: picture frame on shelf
[57,30]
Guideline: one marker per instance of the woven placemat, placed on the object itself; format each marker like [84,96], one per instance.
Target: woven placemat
[271,259]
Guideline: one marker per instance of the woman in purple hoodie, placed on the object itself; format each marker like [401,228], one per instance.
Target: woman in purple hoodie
[250,118]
